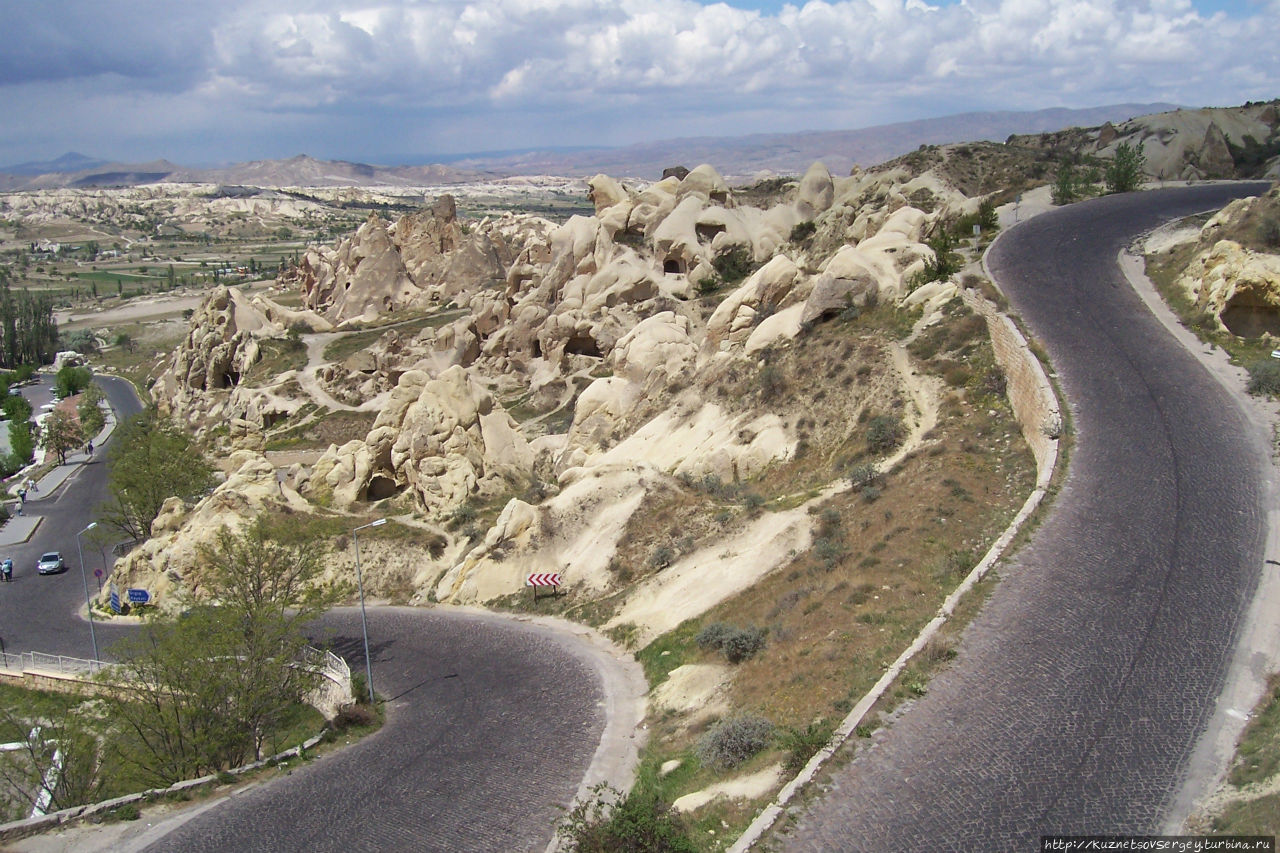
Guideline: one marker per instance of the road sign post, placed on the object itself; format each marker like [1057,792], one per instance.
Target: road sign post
[543,579]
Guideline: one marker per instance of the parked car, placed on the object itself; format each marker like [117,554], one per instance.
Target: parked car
[50,563]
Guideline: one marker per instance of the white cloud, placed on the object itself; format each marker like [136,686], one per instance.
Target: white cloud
[424,62]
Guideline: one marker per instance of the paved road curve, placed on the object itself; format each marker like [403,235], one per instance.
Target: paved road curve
[490,727]
[491,723]
[1083,685]
[40,613]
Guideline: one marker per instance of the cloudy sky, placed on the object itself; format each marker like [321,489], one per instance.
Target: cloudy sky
[402,80]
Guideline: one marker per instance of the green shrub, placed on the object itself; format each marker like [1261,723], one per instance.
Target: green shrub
[71,380]
[713,636]
[1125,171]
[1264,377]
[737,644]
[803,231]
[863,475]
[605,822]
[662,557]
[734,740]
[884,433]
[733,265]
[743,644]
[802,744]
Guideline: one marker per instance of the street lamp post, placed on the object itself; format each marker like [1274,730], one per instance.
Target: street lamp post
[93,637]
[364,624]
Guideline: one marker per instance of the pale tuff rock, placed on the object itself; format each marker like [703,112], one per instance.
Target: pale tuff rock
[221,343]
[441,437]
[575,532]
[749,787]
[1179,145]
[164,564]
[1230,277]
[816,193]
[547,310]
[287,318]
[658,349]
[766,289]
[421,259]
[697,689]
[706,441]
[1239,287]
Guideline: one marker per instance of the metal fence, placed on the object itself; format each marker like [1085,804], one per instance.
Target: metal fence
[60,664]
[325,661]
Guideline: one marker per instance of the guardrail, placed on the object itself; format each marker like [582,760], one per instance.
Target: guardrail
[321,659]
[61,664]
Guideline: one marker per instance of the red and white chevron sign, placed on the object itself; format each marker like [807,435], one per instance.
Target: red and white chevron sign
[543,579]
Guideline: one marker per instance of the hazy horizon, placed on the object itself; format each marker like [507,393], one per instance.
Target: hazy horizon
[397,80]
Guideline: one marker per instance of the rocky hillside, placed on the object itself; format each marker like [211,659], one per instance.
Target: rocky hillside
[547,382]
[1233,142]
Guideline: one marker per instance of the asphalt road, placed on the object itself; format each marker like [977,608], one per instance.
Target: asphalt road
[491,723]
[40,613]
[1082,687]
[490,727]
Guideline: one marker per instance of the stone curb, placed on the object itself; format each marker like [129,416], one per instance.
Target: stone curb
[36,825]
[766,819]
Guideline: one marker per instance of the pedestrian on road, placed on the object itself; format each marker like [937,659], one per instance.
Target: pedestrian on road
[31,485]
[90,448]
[22,495]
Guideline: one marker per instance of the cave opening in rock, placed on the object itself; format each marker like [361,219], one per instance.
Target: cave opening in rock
[582,345]
[230,379]
[1248,317]
[707,232]
[381,487]
[537,348]
[673,266]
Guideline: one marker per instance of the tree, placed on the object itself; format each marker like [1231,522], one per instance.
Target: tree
[151,460]
[71,380]
[58,758]
[125,341]
[60,433]
[213,685]
[1066,185]
[1125,171]
[89,409]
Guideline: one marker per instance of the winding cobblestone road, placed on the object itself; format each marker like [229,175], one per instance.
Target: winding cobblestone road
[1083,685]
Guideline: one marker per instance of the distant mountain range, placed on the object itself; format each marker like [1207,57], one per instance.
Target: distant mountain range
[739,158]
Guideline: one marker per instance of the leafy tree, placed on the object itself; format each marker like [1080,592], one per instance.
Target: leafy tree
[71,380]
[126,342]
[1124,173]
[60,433]
[28,332]
[1066,185]
[151,460]
[60,757]
[22,445]
[82,341]
[89,409]
[213,686]
[946,260]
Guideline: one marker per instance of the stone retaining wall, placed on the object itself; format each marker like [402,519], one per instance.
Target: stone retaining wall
[1028,388]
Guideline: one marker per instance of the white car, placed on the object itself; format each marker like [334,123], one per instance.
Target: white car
[50,563]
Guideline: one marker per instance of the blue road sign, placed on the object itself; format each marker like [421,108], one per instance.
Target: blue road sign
[115,598]
[139,596]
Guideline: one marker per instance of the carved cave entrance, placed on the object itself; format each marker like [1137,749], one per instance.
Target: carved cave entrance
[1249,317]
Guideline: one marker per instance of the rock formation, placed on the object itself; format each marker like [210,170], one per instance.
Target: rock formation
[596,322]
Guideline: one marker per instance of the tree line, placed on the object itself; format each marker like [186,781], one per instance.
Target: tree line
[28,332]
